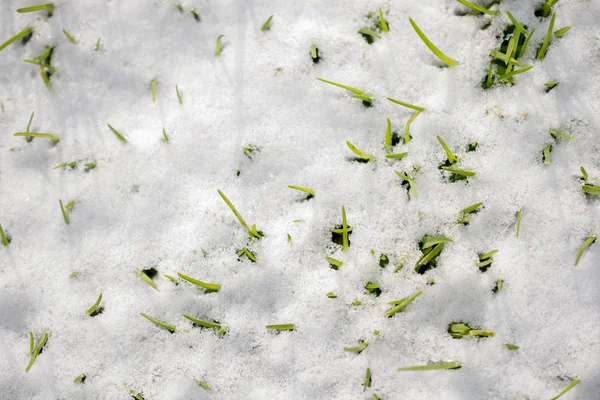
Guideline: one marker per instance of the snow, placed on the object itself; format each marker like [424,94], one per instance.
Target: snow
[154,204]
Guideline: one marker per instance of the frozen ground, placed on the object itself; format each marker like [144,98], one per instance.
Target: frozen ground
[149,203]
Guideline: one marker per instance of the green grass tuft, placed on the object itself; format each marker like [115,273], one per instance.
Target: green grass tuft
[94,310]
[37,350]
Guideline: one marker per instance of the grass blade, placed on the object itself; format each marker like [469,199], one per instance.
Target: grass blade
[238,215]
[117,134]
[267,24]
[519,218]
[388,135]
[358,349]
[477,7]
[37,350]
[571,386]
[411,183]
[178,94]
[544,48]
[511,346]
[432,367]
[591,189]
[218,48]
[148,280]
[336,264]
[562,31]
[13,39]
[516,23]
[513,73]
[282,327]
[165,137]
[354,90]
[524,47]
[210,287]
[408,105]
[369,32]
[48,6]
[451,157]
[402,304]
[91,311]
[384,25]
[344,230]
[202,323]
[361,154]
[303,189]
[97,45]
[584,246]
[563,135]
[64,212]
[170,328]
[398,156]
[153,88]
[430,256]
[40,135]
[407,136]
[70,37]
[31,343]
[459,171]
[3,237]
[444,58]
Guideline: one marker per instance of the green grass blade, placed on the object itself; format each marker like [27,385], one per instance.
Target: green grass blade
[513,73]
[354,90]
[40,7]
[40,135]
[178,94]
[13,39]
[524,47]
[37,350]
[202,323]
[519,218]
[430,241]
[511,346]
[402,304]
[210,287]
[30,121]
[236,213]
[218,47]
[470,209]
[302,189]
[451,157]
[153,88]
[94,307]
[70,37]
[571,386]
[358,349]
[361,154]
[411,183]
[148,280]
[408,105]
[431,255]
[516,23]
[584,246]
[407,127]
[544,48]
[369,32]
[170,328]
[64,212]
[345,230]
[282,327]
[31,343]
[80,378]
[444,58]
[591,189]
[267,24]
[487,255]
[398,156]
[477,7]
[117,134]
[203,384]
[432,367]
[584,173]
[459,171]
[97,45]
[563,135]
[384,25]
[388,135]
[165,137]
[562,31]
[3,237]
[336,263]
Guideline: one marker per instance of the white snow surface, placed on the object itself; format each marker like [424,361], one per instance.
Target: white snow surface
[150,203]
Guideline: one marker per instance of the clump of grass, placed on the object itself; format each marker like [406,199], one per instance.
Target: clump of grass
[24,33]
[37,350]
[69,36]
[545,9]
[44,62]
[314,54]
[433,366]
[400,305]
[4,237]
[333,263]
[117,134]
[95,309]
[247,253]
[209,287]
[376,25]
[586,243]
[170,328]
[458,330]
[431,247]
[311,192]
[373,288]
[571,386]
[267,25]
[358,94]
[437,52]
[588,188]
[466,213]
[281,327]
[218,46]
[362,156]
[148,275]
[253,232]
[486,260]
[357,349]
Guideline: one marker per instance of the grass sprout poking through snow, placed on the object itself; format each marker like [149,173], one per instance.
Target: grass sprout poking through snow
[314,53]
[40,135]
[408,105]
[562,31]
[407,180]
[384,25]
[178,94]
[13,39]
[433,366]
[69,36]
[358,94]
[458,330]
[311,193]
[36,351]
[117,134]
[542,51]
[95,309]
[202,323]
[571,386]
[203,384]
[247,253]
[511,346]
[267,25]
[251,231]
[584,246]
[465,214]
[401,304]
[477,8]
[362,156]
[63,210]
[431,247]
[437,52]
[282,327]
[333,263]
[80,378]
[218,46]
[3,237]
[545,9]
[147,275]
[485,260]
[40,7]
[357,349]
[170,328]
[210,287]
[153,89]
